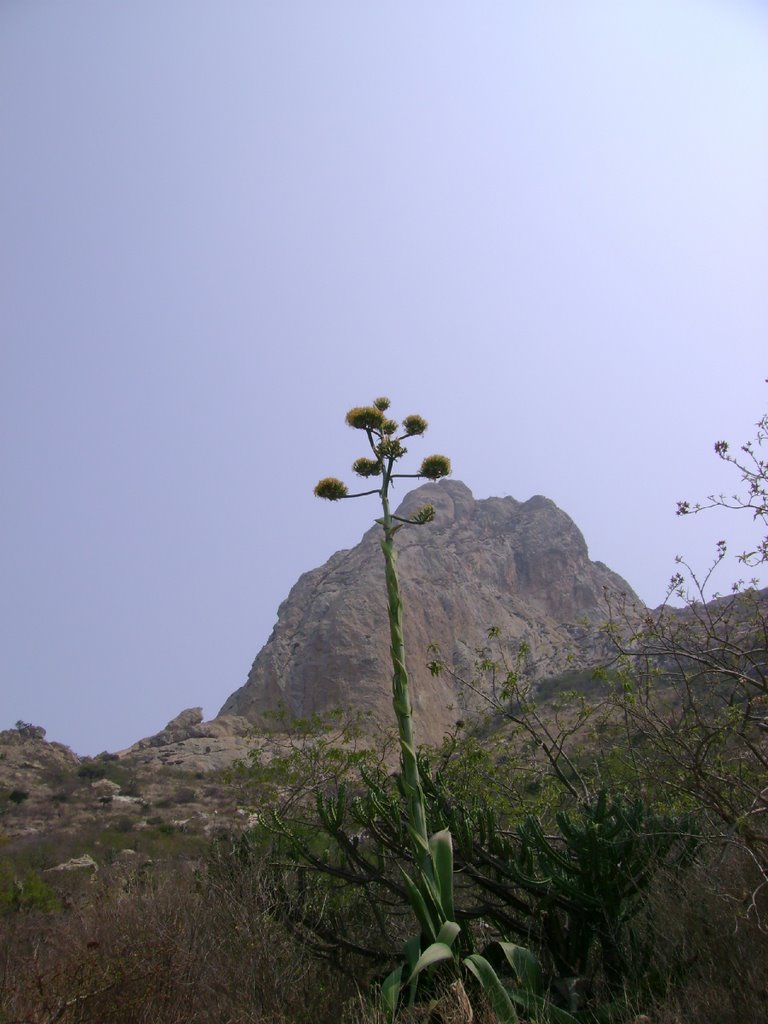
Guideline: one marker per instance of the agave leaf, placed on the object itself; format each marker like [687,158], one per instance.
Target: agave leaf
[419,907]
[496,993]
[433,954]
[390,991]
[441,850]
[448,932]
[418,840]
[525,965]
[431,893]
[540,1008]
[411,952]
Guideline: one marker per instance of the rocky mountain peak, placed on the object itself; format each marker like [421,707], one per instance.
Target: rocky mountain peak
[521,566]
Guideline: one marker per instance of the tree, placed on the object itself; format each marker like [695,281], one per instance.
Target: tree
[695,679]
[30,731]
[753,469]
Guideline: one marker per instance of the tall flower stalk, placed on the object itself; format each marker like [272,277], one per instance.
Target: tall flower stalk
[430,892]
[385,440]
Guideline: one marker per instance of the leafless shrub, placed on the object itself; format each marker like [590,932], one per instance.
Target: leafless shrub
[162,952]
[712,947]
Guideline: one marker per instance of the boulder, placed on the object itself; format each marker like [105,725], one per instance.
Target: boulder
[86,862]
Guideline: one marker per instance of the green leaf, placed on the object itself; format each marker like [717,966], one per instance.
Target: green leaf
[497,995]
[411,952]
[418,839]
[390,992]
[448,932]
[433,954]
[419,907]
[541,1008]
[525,965]
[441,850]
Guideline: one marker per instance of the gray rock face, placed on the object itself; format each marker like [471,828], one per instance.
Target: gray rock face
[521,566]
[190,743]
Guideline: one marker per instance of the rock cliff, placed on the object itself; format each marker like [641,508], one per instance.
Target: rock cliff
[521,566]
[189,743]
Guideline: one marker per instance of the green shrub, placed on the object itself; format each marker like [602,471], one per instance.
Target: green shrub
[28,893]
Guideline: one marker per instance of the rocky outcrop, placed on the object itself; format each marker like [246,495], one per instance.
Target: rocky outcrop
[521,566]
[77,863]
[25,754]
[189,743]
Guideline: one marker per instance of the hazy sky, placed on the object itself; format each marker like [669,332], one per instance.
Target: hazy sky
[542,225]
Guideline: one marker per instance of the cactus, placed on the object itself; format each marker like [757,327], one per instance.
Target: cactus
[579,886]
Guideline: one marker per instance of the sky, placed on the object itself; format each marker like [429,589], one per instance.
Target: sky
[542,226]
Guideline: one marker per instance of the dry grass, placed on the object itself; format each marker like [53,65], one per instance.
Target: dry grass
[712,946]
[204,946]
[171,952]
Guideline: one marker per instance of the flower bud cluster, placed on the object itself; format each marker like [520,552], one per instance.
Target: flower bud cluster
[390,448]
[414,426]
[424,515]
[331,488]
[367,467]
[387,449]
[365,417]
[435,466]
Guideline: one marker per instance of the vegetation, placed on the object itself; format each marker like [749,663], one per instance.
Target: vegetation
[170,947]
[562,849]
[26,893]
[593,849]
[695,682]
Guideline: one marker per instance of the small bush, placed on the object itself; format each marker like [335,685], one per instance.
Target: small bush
[30,893]
[30,731]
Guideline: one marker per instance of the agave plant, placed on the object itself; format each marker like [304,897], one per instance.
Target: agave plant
[441,939]
[385,439]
